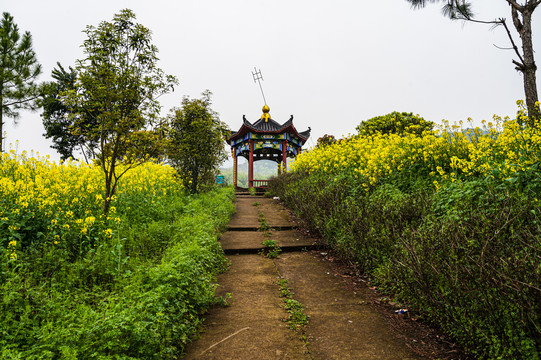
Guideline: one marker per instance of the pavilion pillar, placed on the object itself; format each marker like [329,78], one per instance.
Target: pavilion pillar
[284,156]
[235,167]
[251,164]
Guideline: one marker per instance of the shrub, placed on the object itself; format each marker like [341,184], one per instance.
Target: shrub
[447,222]
[473,267]
[395,123]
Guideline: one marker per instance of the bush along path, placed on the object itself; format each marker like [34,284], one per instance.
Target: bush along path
[286,303]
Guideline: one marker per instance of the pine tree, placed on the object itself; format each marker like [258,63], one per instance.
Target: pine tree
[18,71]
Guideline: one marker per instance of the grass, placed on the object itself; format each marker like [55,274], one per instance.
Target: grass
[296,318]
[272,249]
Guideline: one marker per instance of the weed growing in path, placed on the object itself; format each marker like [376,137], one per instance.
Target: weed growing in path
[272,249]
[263,226]
[296,318]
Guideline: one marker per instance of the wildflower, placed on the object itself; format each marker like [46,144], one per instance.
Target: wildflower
[11,250]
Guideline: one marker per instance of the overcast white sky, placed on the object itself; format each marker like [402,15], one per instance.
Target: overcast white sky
[330,63]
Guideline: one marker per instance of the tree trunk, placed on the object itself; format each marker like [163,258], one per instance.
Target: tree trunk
[195,176]
[107,200]
[529,69]
[530,89]
[110,186]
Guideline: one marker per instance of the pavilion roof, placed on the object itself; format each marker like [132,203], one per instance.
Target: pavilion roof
[266,125]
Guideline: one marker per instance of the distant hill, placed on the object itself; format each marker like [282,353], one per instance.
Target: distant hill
[263,170]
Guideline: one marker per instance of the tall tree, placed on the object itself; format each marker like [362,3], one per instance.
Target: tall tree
[521,15]
[196,146]
[19,69]
[118,87]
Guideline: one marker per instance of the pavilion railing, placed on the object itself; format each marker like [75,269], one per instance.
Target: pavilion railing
[260,183]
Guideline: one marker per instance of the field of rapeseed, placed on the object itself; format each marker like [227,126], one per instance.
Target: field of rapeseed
[447,222]
[501,150]
[77,284]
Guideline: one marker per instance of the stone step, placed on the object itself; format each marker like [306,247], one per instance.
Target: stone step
[277,227]
[257,250]
[250,242]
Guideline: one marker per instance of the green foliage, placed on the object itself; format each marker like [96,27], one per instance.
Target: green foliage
[473,268]
[326,140]
[138,295]
[453,9]
[196,145]
[117,88]
[395,123]
[19,69]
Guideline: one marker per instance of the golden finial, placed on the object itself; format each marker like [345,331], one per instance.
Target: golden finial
[266,116]
[257,78]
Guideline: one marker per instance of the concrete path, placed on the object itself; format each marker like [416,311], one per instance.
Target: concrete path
[341,325]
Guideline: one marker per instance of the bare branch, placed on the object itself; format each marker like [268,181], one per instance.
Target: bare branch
[502,21]
[494,22]
[22,101]
[502,48]
[520,67]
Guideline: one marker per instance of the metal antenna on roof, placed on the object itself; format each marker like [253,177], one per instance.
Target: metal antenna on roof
[257,78]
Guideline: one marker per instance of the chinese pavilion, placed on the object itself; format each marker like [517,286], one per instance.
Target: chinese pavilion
[265,140]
